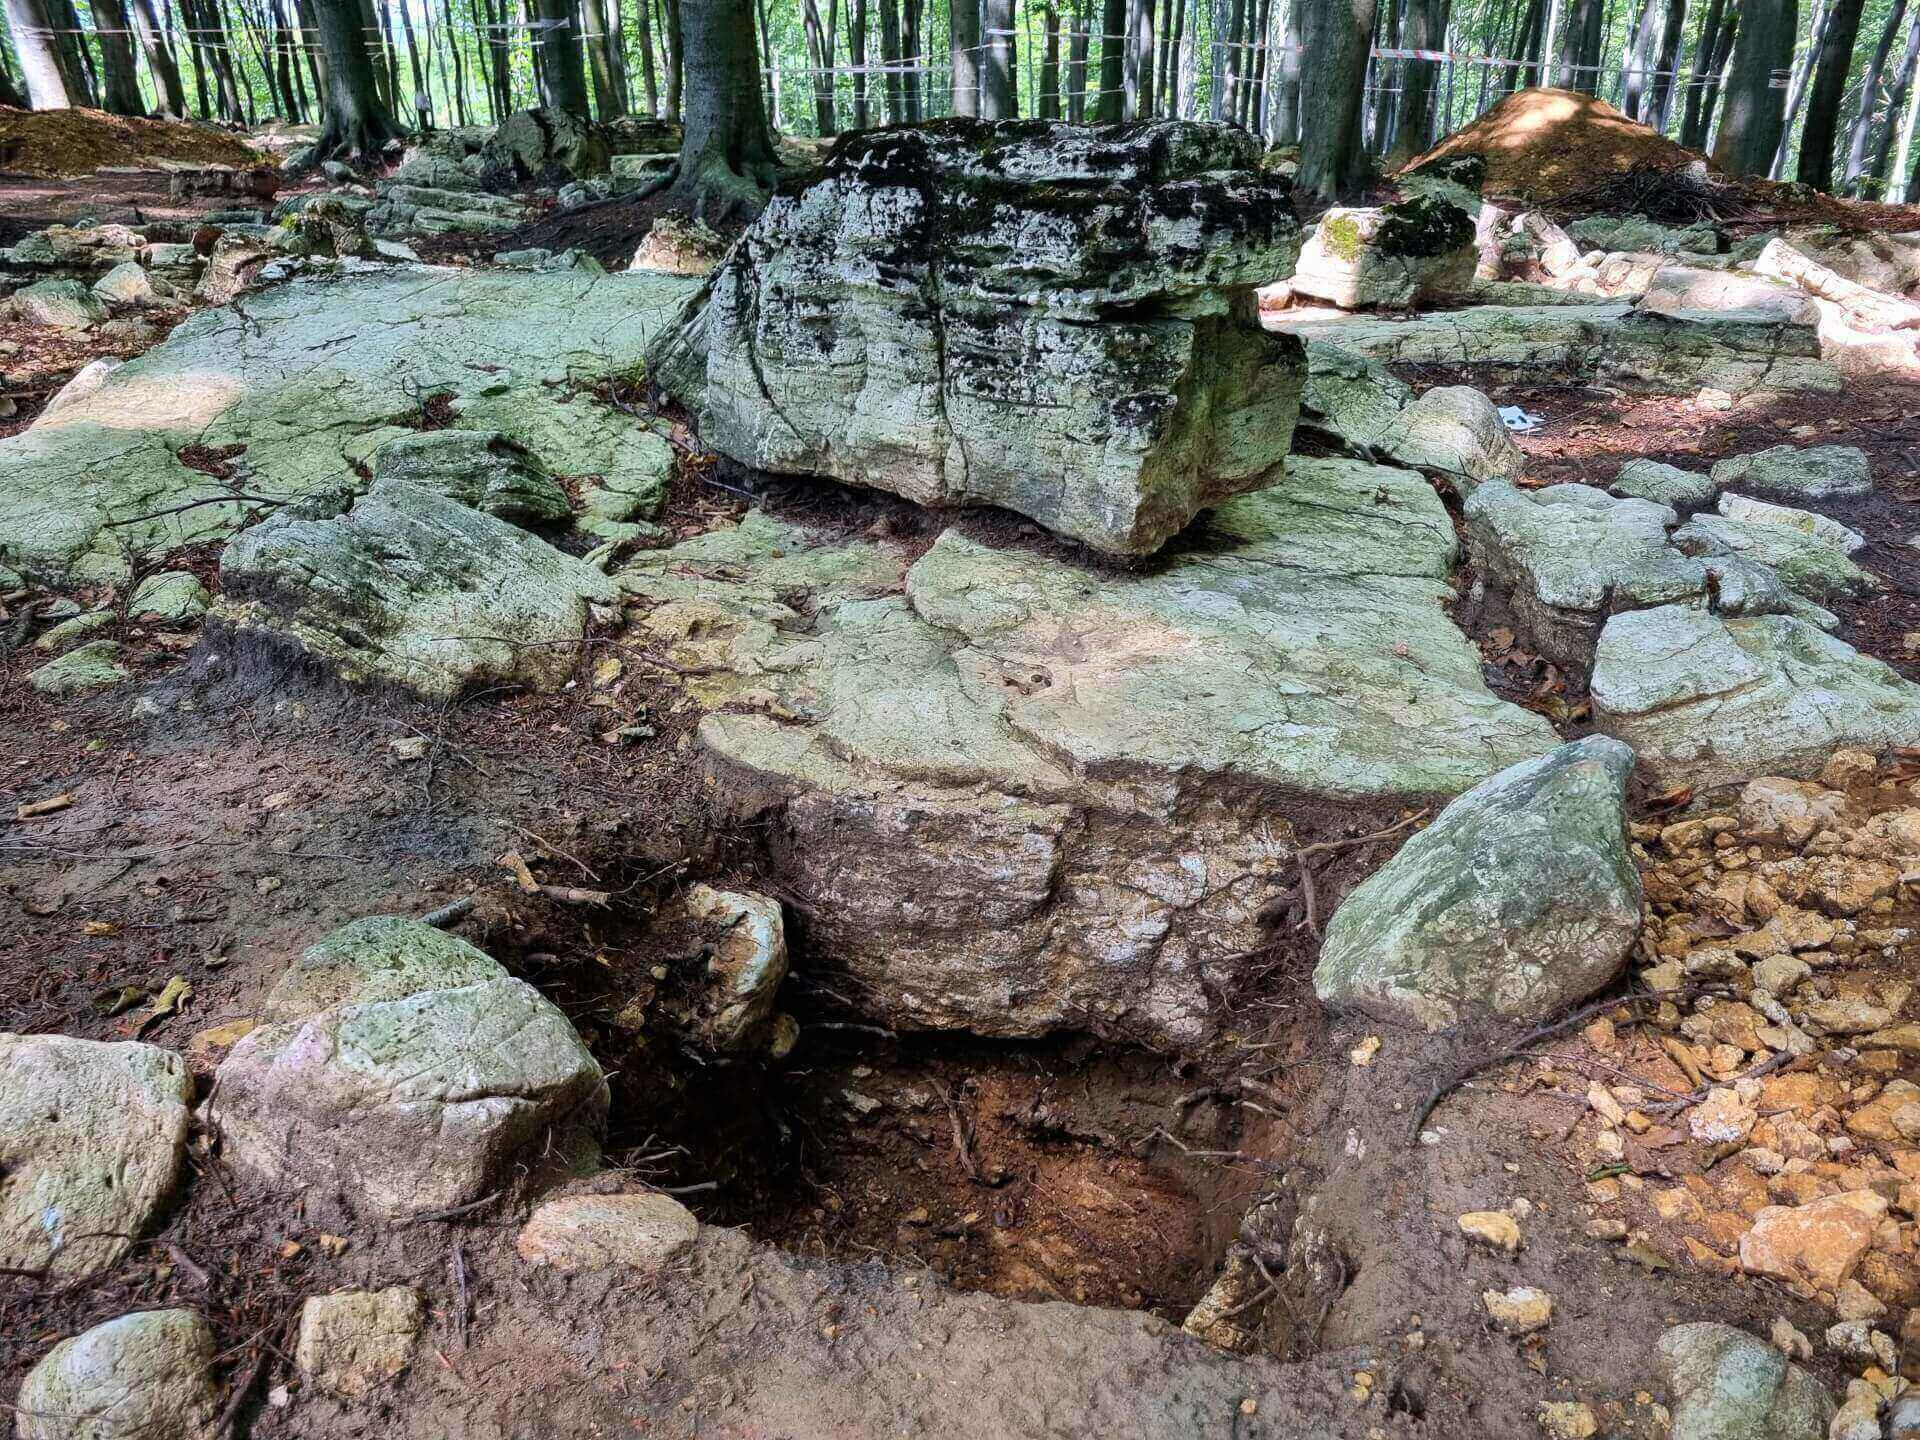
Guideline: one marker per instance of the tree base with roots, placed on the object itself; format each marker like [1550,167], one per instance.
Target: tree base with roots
[718,191]
[358,142]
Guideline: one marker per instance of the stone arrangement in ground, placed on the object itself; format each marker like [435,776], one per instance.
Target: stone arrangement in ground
[967,777]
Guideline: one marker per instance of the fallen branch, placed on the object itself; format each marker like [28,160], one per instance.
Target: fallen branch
[235,498]
[452,1212]
[450,914]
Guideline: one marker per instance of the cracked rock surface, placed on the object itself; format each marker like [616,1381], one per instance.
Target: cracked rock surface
[1016,792]
[1055,319]
[311,377]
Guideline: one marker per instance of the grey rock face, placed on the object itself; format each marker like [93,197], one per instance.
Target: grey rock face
[1664,485]
[1521,898]
[544,145]
[315,378]
[1707,700]
[1636,232]
[1808,552]
[1018,795]
[63,304]
[141,1376]
[1455,430]
[1352,398]
[1819,472]
[1051,318]
[1398,255]
[89,378]
[169,597]
[479,468]
[424,1075]
[91,1140]
[1725,1384]
[1571,555]
[409,588]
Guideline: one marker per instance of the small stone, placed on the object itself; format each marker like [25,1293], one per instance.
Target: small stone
[1818,1243]
[1848,768]
[1363,1053]
[93,666]
[1723,1118]
[1727,1385]
[1789,1341]
[355,1341]
[640,1232]
[1568,1420]
[1520,1310]
[1854,1301]
[1494,1228]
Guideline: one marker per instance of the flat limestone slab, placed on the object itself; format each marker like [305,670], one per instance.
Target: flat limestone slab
[1019,794]
[311,377]
[1705,700]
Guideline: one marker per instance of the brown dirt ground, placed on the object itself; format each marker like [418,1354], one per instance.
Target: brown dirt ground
[76,142]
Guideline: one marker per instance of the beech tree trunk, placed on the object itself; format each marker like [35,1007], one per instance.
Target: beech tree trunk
[1860,135]
[119,85]
[40,64]
[999,82]
[1755,111]
[1716,38]
[609,71]
[1112,101]
[1049,99]
[1077,44]
[356,125]
[10,91]
[561,65]
[1666,63]
[1580,47]
[965,30]
[1286,84]
[1336,35]
[169,98]
[857,57]
[727,165]
[1896,108]
[1424,27]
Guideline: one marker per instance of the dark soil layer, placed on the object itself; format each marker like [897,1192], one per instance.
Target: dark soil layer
[610,231]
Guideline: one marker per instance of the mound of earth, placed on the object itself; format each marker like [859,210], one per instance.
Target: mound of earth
[1544,145]
[78,142]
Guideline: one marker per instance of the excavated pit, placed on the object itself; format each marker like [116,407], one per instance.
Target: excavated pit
[1067,1168]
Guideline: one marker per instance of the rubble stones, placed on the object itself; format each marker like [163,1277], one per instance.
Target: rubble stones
[1819,472]
[600,1232]
[354,1341]
[1708,700]
[748,963]
[1457,431]
[414,1081]
[407,587]
[62,304]
[1664,485]
[1724,1383]
[1401,255]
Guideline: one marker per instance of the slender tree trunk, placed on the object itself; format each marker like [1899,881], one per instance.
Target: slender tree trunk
[964,30]
[120,85]
[857,58]
[1138,79]
[1425,28]
[1335,33]
[1286,93]
[1673,29]
[643,33]
[890,61]
[1254,117]
[414,69]
[677,58]
[40,62]
[1635,59]
[1802,74]
[727,163]
[1860,135]
[1236,57]
[915,50]
[460,116]
[819,61]
[169,98]
[1049,97]
[609,84]
[1113,55]
[1715,35]
[357,125]
[1755,112]
[1000,83]
[1580,47]
[560,57]
[1077,44]
[10,91]
[76,61]
[1896,106]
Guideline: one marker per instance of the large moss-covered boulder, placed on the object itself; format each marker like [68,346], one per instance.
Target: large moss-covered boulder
[543,146]
[1521,898]
[1398,255]
[1051,318]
